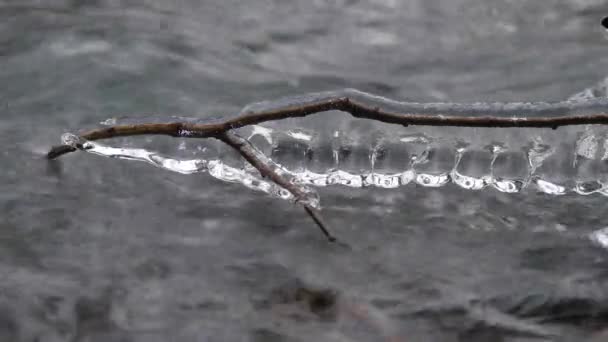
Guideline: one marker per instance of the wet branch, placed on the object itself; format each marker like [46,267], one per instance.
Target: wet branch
[244,147]
[360,105]
[367,106]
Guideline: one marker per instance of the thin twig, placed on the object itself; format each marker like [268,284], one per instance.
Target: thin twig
[244,147]
[363,105]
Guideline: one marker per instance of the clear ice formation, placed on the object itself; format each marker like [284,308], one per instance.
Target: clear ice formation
[336,149]
[216,168]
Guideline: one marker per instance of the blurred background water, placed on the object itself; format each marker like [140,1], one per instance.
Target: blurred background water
[93,249]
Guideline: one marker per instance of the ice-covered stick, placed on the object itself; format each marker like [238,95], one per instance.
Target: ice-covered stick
[372,107]
[247,151]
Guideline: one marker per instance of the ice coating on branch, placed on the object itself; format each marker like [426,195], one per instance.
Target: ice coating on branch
[337,149]
[216,168]
[302,194]
[568,160]
[514,110]
[71,140]
[186,166]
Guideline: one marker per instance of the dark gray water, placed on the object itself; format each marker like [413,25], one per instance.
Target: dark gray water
[93,249]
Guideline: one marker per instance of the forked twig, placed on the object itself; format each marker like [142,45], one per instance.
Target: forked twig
[361,105]
[244,147]
[364,105]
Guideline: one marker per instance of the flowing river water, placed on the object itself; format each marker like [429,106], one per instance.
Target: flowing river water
[94,249]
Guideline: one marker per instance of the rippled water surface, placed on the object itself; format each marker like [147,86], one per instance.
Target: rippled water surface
[94,249]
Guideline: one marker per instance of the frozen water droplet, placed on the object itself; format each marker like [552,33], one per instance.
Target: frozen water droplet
[71,140]
[109,122]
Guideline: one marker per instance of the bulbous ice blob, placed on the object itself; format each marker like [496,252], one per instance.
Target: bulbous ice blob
[71,140]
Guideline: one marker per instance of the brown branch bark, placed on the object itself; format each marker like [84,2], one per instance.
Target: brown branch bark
[246,150]
[442,115]
[367,106]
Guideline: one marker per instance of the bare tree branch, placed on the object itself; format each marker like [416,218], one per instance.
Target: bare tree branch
[246,150]
[359,105]
[367,106]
